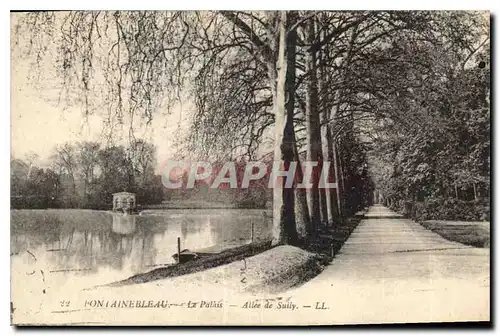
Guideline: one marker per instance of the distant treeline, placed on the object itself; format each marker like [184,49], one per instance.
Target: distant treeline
[84,175]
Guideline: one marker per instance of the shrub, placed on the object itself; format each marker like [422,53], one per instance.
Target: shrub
[444,209]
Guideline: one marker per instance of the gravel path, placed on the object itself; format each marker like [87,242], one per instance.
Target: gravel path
[394,270]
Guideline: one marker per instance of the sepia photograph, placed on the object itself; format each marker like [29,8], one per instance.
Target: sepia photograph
[249,168]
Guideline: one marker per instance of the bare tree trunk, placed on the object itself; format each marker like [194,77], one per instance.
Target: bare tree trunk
[313,130]
[340,179]
[324,197]
[74,196]
[323,205]
[302,209]
[328,155]
[284,230]
[85,190]
[302,218]
[330,212]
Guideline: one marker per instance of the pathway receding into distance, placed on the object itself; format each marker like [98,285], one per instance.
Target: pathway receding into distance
[393,269]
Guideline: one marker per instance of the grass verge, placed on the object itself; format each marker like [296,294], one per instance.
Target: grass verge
[475,234]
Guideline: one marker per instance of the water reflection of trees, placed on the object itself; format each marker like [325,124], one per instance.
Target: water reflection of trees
[124,243]
[82,246]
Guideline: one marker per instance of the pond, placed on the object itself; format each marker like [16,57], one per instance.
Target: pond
[86,247]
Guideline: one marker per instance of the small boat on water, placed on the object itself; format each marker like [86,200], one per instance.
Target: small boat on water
[185,255]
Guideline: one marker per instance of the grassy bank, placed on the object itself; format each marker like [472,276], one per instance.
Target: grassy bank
[271,271]
[266,268]
[469,233]
[197,265]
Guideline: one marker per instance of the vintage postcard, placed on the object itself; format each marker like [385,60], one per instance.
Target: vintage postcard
[249,167]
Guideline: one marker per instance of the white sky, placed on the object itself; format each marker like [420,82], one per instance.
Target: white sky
[39,124]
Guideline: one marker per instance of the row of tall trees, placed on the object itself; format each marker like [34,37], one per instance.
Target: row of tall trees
[325,81]
[84,175]
[312,83]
